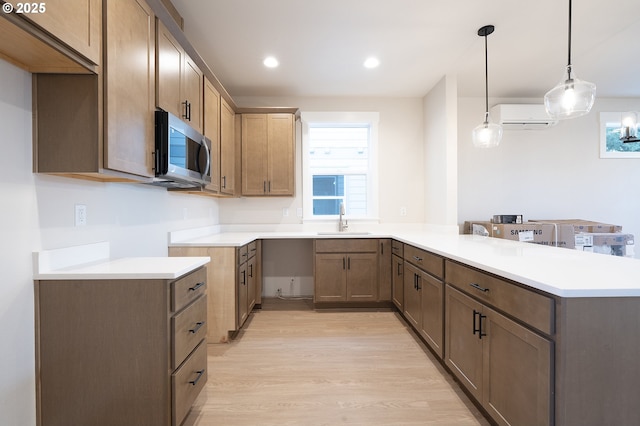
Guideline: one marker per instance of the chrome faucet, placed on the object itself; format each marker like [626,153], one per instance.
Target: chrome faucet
[342,224]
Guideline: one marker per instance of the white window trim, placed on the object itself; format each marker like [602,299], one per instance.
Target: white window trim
[339,117]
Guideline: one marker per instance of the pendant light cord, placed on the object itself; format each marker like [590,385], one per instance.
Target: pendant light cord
[569,49]
[486,80]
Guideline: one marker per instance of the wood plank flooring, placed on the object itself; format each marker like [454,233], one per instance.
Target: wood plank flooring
[295,366]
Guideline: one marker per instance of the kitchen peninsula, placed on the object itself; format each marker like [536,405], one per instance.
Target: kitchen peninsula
[555,331]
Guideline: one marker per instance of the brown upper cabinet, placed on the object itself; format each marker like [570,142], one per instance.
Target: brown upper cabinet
[227,148]
[212,131]
[180,81]
[58,36]
[78,23]
[101,126]
[268,152]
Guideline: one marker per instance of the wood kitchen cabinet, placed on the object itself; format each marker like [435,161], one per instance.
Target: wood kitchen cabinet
[268,154]
[212,131]
[397,277]
[227,149]
[78,23]
[505,365]
[120,351]
[384,270]
[101,127]
[346,270]
[180,81]
[423,295]
[236,277]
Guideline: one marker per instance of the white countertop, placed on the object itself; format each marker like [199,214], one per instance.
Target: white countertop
[92,262]
[558,271]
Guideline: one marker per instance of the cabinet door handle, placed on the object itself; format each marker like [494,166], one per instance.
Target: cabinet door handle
[381,248]
[195,329]
[264,186]
[269,186]
[224,182]
[344,263]
[200,373]
[197,286]
[477,325]
[415,282]
[399,268]
[348,262]
[418,286]
[477,286]
[244,277]
[251,270]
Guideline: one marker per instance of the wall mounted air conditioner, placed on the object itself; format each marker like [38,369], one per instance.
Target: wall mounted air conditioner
[521,116]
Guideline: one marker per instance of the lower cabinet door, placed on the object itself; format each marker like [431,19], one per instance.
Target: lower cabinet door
[431,327]
[330,277]
[412,295]
[187,382]
[362,277]
[517,373]
[397,281]
[243,294]
[463,346]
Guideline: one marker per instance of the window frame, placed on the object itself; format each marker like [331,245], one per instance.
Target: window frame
[324,118]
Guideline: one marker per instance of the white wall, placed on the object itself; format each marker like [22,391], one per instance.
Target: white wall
[37,213]
[400,154]
[440,161]
[547,174]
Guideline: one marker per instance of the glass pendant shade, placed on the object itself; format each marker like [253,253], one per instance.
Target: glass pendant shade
[487,134]
[570,98]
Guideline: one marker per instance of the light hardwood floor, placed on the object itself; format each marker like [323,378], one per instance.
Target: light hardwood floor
[295,366]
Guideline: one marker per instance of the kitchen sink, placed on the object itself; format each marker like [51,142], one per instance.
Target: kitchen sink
[344,233]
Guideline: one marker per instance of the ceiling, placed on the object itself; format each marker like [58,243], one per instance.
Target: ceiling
[322,44]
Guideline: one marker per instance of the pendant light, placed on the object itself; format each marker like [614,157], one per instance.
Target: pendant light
[487,134]
[571,97]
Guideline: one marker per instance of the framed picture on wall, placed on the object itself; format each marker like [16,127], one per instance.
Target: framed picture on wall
[610,144]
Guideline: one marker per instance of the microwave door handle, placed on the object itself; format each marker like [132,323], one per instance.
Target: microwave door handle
[206,148]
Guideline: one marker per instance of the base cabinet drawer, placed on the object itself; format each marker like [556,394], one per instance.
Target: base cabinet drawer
[187,382]
[188,328]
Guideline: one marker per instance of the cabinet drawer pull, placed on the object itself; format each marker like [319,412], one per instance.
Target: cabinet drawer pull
[417,259]
[197,286]
[394,248]
[195,329]
[197,379]
[477,286]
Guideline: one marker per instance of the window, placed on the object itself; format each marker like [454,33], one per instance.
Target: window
[339,164]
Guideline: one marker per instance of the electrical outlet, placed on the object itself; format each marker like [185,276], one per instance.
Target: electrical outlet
[403,211]
[80,215]
[285,212]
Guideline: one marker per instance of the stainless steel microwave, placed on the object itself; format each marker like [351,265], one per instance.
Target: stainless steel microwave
[182,155]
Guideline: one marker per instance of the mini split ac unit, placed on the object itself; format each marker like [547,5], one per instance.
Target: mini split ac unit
[521,116]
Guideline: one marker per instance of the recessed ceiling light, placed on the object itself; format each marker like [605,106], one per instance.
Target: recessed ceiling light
[270,62]
[371,62]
